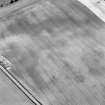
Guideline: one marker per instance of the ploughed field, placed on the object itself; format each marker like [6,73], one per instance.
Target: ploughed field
[57,48]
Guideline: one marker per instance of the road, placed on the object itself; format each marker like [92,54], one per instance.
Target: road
[10,94]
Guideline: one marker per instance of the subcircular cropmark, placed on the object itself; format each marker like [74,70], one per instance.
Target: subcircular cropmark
[94,60]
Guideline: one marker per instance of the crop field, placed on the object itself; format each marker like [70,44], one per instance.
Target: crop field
[57,48]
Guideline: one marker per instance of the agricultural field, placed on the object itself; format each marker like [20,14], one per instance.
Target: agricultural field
[57,48]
